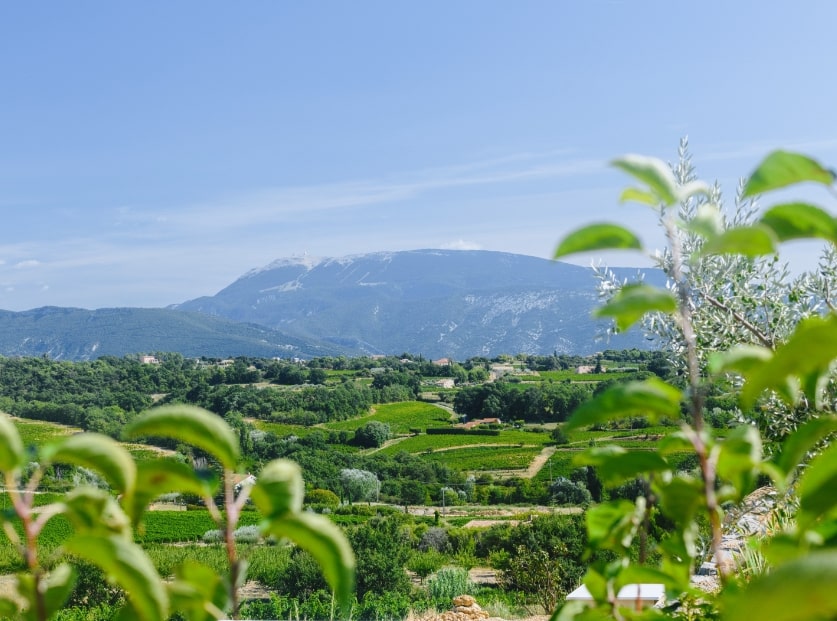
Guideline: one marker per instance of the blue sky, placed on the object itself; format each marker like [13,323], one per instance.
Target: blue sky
[153,152]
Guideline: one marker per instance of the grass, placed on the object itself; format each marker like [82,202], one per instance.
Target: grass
[37,432]
[180,526]
[428,443]
[557,376]
[282,429]
[480,458]
[401,417]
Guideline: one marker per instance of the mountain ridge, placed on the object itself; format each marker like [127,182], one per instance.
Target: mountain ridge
[450,302]
[438,303]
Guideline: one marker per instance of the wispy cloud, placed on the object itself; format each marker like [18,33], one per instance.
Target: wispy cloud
[279,204]
[461,244]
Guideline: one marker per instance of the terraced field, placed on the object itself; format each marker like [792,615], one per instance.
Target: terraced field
[401,417]
[430,443]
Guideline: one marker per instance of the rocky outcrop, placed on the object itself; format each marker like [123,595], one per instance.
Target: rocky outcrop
[465,608]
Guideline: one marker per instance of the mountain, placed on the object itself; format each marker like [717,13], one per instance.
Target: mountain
[78,334]
[433,302]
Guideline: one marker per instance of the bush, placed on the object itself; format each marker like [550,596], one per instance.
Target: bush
[247,534]
[425,563]
[372,434]
[436,539]
[322,498]
[566,492]
[447,584]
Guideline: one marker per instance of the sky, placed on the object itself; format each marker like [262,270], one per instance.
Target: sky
[153,152]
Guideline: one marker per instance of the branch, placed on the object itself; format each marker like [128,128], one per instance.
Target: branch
[761,336]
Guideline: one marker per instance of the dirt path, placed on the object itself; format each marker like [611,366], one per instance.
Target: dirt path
[539,462]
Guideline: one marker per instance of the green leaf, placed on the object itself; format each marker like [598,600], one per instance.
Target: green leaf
[8,608]
[817,487]
[163,476]
[708,221]
[194,586]
[59,584]
[639,196]
[639,574]
[679,549]
[192,425]
[612,525]
[810,349]
[652,398]
[800,221]
[327,544]
[750,241]
[577,610]
[675,442]
[654,173]
[279,489]
[95,512]
[125,563]
[100,453]
[740,359]
[680,498]
[740,458]
[631,302]
[802,440]
[799,590]
[616,465]
[11,446]
[783,168]
[602,236]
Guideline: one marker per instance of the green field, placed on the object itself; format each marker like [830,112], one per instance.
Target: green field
[36,432]
[481,458]
[282,430]
[427,443]
[557,376]
[401,417]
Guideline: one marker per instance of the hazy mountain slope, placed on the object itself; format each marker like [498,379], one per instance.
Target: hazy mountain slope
[433,302]
[78,334]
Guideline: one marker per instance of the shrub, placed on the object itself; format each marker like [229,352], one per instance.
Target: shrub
[566,492]
[447,584]
[372,434]
[322,498]
[436,539]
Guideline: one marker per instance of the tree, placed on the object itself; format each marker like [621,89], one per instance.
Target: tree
[372,435]
[413,493]
[736,298]
[358,484]
[382,548]
[566,492]
[425,563]
[780,354]
[535,573]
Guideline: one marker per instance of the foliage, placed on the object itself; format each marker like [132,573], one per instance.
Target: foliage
[425,563]
[533,572]
[447,584]
[372,435]
[359,484]
[783,353]
[400,417]
[104,526]
[567,492]
[382,548]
